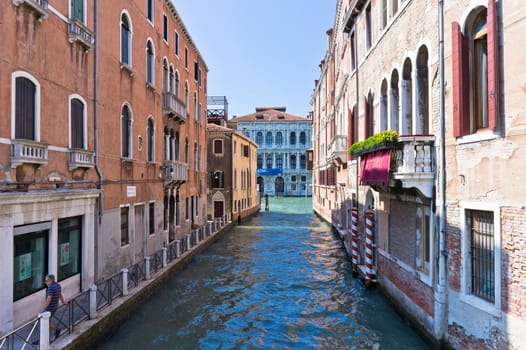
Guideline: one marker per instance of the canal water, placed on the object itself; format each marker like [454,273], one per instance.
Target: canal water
[280,280]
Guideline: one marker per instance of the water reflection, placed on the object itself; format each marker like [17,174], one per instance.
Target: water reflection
[279,281]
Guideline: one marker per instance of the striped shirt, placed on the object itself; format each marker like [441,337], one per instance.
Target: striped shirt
[54,290]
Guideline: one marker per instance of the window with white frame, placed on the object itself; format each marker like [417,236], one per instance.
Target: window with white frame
[77,10]
[176,43]
[150,140]
[126,133]
[31,256]
[77,123]
[218,146]
[150,62]
[165,27]
[126,39]
[150,10]
[26,106]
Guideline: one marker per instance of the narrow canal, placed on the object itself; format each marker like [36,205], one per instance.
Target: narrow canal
[280,280]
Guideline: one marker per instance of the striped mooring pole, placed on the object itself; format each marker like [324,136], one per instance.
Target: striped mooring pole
[369,241]
[354,237]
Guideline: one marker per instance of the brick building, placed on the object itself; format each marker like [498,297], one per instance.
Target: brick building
[102,141]
[457,274]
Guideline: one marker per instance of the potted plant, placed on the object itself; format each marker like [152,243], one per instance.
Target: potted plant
[381,140]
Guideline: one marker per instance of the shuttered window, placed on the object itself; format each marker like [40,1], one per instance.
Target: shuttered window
[25,106]
[77,124]
[77,10]
[475,72]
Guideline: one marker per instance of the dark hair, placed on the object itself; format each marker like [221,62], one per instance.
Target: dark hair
[51,277]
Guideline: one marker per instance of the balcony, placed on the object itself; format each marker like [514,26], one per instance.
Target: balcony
[39,6]
[28,152]
[338,149]
[408,164]
[79,158]
[175,171]
[78,32]
[174,107]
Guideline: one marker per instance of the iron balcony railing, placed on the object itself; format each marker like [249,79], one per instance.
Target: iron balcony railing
[173,107]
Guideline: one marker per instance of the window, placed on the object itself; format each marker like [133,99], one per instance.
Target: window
[279,138]
[303,162]
[187,214]
[269,161]
[394,4]
[150,62]
[195,106]
[269,138]
[186,96]
[126,35]
[394,99]
[27,105]
[293,162]
[369,117]
[151,217]
[196,70]
[423,257]
[481,235]
[353,51]
[218,146]
[368,31]
[476,72]
[293,138]
[186,57]
[303,138]
[218,180]
[196,158]
[303,178]
[186,150]
[259,138]
[260,161]
[422,93]
[166,76]
[172,79]
[31,257]
[384,13]
[165,28]
[126,123]
[279,161]
[383,106]
[150,140]
[69,247]
[150,10]
[77,10]
[406,87]
[176,43]
[293,178]
[125,237]
[176,87]
[77,119]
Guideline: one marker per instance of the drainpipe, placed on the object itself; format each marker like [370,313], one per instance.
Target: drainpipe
[96,127]
[440,322]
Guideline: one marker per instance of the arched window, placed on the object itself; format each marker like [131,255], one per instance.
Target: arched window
[166,143]
[176,91]
[293,162]
[166,76]
[186,96]
[77,117]
[186,150]
[303,162]
[269,161]
[407,95]
[150,62]
[150,140]
[422,93]
[279,138]
[27,96]
[269,138]
[303,138]
[369,115]
[217,180]
[126,35]
[259,138]
[126,128]
[260,161]
[195,105]
[476,63]
[383,106]
[279,161]
[394,101]
[172,80]
[176,146]
[293,138]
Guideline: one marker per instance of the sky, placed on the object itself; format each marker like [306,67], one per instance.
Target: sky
[260,52]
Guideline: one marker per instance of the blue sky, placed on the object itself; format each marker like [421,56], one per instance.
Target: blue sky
[260,52]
